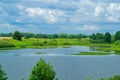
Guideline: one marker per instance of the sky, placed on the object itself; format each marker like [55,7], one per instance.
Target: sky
[60,16]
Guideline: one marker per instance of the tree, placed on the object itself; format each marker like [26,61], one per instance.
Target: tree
[2,74]
[107,37]
[93,36]
[17,36]
[117,35]
[42,71]
[99,36]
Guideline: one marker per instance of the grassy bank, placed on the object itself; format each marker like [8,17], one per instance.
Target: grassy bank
[40,52]
[44,43]
[9,43]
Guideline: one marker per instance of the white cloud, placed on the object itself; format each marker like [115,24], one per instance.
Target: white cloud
[49,15]
[20,7]
[98,11]
[83,11]
[89,3]
[87,28]
[112,12]
[67,12]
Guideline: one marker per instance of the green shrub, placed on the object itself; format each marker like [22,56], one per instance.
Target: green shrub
[2,74]
[17,36]
[45,42]
[42,71]
[37,43]
[116,77]
[117,42]
[66,43]
[97,41]
[52,42]
[4,44]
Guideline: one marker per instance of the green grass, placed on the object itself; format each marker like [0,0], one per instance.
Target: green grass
[66,46]
[109,48]
[40,52]
[92,53]
[54,43]
[6,44]
[34,42]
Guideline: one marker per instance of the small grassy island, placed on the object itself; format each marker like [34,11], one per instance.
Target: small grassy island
[92,53]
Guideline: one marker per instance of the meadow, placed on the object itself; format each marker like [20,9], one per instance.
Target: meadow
[9,43]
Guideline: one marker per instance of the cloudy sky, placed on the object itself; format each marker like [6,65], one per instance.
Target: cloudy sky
[60,16]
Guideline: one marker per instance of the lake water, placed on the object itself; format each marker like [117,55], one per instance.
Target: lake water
[19,63]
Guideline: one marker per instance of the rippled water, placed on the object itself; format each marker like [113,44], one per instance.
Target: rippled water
[19,63]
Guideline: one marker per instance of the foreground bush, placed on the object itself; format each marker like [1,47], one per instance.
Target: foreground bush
[53,42]
[116,77]
[42,71]
[2,74]
[4,44]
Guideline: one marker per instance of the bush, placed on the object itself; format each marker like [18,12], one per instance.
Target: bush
[117,42]
[116,77]
[4,44]
[2,74]
[17,36]
[45,42]
[42,71]
[37,43]
[97,41]
[52,42]
[66,43]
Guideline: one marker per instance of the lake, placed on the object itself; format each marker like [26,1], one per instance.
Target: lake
[19,63]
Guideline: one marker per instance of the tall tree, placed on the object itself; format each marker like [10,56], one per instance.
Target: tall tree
[2,74]
[93,37]
[17,36]
[99,36]
[117,35]
[107,37]
[42,71]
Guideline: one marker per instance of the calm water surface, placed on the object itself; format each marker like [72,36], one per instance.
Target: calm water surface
[19,63]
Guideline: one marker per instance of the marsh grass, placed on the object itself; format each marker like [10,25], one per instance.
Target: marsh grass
[6,44]
[92,53]
[40,52]
[16,55]
[53,43]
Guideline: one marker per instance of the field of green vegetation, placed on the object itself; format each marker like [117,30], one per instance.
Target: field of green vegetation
[42,43]
[99,41]
[9,43]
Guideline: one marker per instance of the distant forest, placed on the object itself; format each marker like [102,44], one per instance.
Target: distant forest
[94,38]
[40,35]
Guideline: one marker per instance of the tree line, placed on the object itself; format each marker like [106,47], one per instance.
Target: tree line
[40,35]
[95,37]
[107,37]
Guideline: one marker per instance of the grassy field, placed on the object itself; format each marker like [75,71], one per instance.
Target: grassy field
[9,43]
[39,43]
